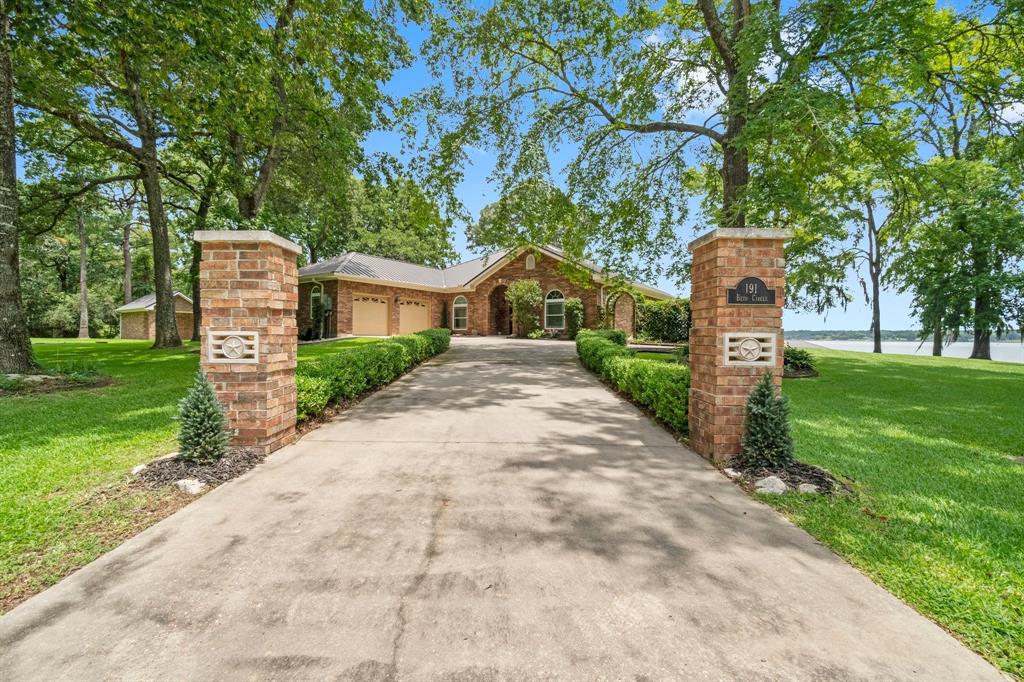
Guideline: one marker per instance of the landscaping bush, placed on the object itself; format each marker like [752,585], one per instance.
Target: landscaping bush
[667,321]
[766,440]
[616,336]
[797,359]
[663,387]
[573,316]
[204,435]
[351,372]
[595,349]
[439,339]
[525,297]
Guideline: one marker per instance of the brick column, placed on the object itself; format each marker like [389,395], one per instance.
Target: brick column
[249,284]
[733,344]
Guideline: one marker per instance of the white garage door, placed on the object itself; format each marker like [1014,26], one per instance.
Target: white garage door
[413,316]
[369,315]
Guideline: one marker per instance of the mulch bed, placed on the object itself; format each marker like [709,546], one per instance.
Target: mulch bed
[799,373]
[795,474]
[54,384]
[167,471]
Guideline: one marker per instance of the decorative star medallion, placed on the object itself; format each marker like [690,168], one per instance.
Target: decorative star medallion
[233,347]
[749,349]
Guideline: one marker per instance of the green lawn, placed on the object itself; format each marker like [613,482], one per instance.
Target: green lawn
[64,457]
[651,355]
[938,511]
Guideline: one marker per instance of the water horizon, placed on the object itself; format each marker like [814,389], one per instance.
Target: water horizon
[1002,351]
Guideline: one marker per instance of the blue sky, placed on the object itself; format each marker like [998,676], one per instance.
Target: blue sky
[476,192]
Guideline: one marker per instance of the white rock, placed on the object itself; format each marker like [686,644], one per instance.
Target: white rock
[731,473]
[772,485]
[807,488]
[137,469]
[192,486]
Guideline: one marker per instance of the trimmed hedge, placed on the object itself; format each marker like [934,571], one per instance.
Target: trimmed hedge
[349,373]
[662,387]
[616,336]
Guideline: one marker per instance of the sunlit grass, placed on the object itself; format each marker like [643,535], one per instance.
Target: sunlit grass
[62,454]
[938,511]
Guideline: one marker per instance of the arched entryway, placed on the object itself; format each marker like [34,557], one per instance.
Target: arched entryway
[501,311]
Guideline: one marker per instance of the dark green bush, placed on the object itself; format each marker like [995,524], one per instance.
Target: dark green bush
[797,359]
[766,440]
[353,371]
[667,321]
[204,429]
[616,336]
[595,350]
[573,316]
[663,387]
[439,339]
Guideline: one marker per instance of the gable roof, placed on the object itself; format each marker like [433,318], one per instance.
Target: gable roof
[147,302]
[464,275]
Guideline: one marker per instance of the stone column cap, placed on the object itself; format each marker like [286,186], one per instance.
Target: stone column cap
[740,233]
[250,236]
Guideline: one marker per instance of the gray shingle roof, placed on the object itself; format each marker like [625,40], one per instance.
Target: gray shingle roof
[147,302]
[355,264]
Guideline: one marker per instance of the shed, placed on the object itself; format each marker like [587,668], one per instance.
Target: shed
[138,318]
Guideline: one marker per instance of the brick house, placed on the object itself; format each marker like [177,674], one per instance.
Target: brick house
[138,318]
[366,295]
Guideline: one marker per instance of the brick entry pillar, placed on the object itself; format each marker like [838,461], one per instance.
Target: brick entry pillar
[249,297]
[736,300]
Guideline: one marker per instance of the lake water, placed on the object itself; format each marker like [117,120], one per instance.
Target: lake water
[1007,351]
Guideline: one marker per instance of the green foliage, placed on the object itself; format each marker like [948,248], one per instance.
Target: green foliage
[204,436]
[797,359]
[616,336]
[525,297]
[535,334]
[662,387]
[349,373]
[766,440]
[440,339]
[596,348]
[667,321]
[573,316]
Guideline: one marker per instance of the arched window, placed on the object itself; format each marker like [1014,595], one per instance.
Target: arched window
[315,297]
[531,262]
[460,313]
[554,310]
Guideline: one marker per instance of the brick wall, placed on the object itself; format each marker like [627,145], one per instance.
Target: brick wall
[250,283]
[718,392]
[135,325]
[624,316]
[481,318]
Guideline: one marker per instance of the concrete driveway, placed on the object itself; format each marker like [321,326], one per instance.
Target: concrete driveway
[496,515]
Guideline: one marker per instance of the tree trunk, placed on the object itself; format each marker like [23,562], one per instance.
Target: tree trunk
[937,340]
[735,176]
[83,276]
[982,348]
[15,347]
[876,314]
[874,271]
[149,167]
[126,254]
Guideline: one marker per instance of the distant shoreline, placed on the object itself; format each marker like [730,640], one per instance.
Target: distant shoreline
[887,335]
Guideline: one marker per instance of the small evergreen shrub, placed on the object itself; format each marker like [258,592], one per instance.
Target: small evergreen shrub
[535,334]
[797,359]
[766,440]
[204,435]
[573,316]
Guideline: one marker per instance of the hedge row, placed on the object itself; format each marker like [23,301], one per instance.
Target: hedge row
[662,387]
[351,372]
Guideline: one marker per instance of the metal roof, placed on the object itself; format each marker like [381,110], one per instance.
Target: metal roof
[147,302]
[365,266]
